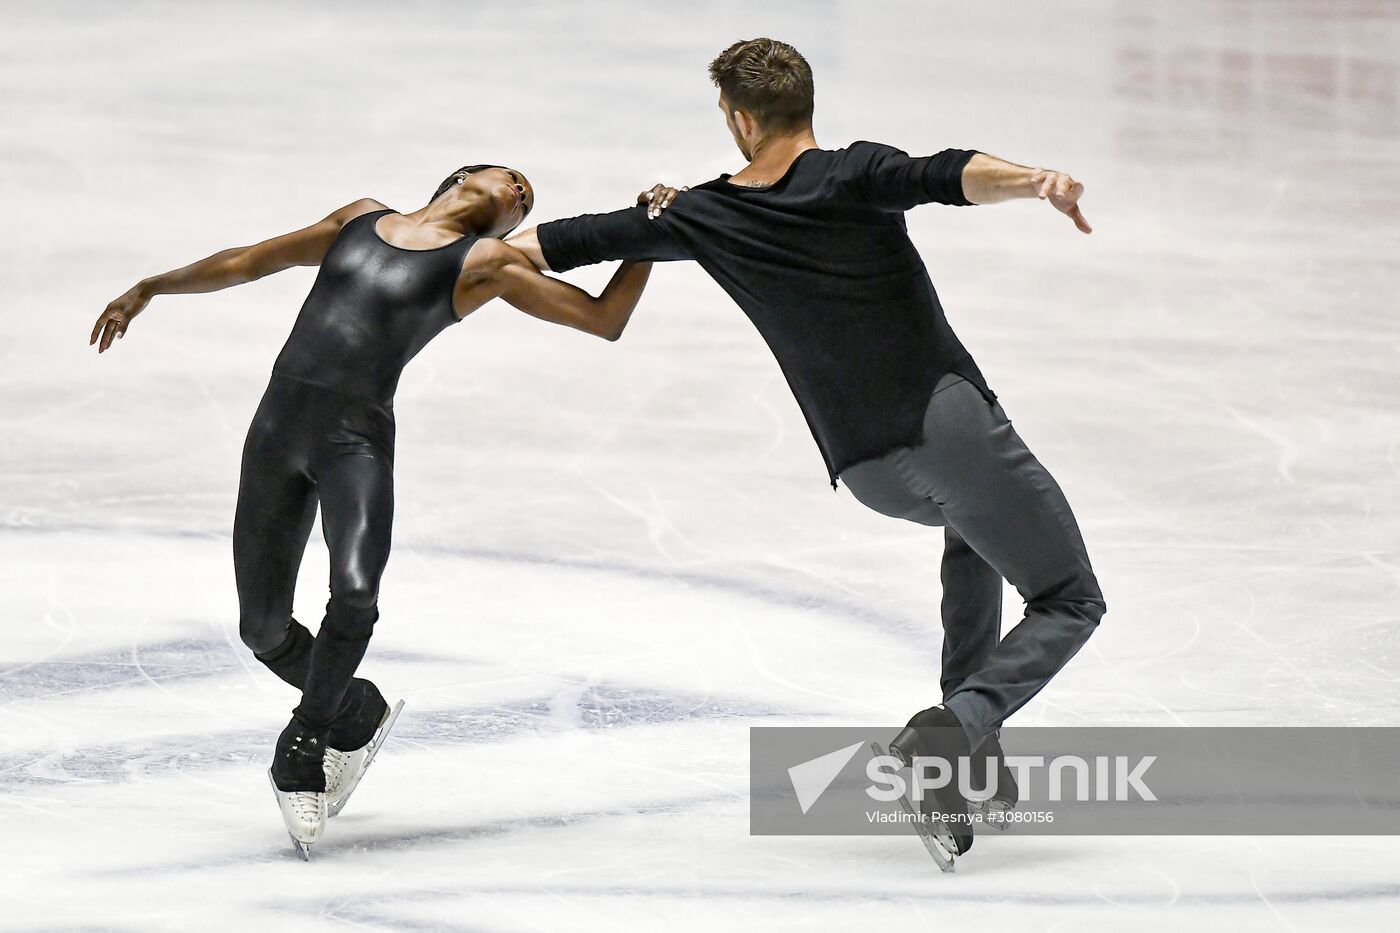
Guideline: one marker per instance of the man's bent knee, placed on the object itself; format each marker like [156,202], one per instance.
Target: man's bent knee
[1093,603]
[1078,599]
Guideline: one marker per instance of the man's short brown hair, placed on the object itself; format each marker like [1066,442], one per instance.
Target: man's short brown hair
[768,79]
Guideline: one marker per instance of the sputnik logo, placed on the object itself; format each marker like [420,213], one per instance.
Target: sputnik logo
[811,778]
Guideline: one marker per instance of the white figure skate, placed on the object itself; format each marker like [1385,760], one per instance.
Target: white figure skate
[345,769]
[304,813]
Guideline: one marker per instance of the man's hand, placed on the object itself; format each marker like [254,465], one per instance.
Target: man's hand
[1063,192]
[113,322]
[658,198]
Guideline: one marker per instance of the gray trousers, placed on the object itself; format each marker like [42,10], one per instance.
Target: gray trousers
[1003,516]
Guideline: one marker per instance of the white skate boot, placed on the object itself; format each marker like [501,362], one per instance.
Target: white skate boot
[345,769]
[304,813]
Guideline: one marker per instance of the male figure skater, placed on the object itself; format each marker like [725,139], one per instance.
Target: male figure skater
[811,244]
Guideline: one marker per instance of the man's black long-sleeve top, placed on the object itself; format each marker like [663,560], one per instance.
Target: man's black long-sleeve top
[822,264]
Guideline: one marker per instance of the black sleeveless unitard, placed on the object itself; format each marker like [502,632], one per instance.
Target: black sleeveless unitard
[324,431]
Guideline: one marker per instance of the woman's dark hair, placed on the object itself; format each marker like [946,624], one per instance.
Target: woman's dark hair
[469,169]
[450,179]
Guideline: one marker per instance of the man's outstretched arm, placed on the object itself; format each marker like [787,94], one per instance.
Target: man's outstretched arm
[528,242]
[987,180]
[892,180]
[628,234]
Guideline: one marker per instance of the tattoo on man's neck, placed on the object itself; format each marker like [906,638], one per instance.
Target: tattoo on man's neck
[757,184]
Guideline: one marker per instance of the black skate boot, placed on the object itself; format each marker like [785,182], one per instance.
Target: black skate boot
[936,733]
[297,763]
[993,810]
[360,714]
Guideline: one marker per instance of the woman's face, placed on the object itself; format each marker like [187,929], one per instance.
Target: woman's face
[509,193]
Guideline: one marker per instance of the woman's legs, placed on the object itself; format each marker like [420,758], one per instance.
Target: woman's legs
[355,482]
[357,510]
[276,506]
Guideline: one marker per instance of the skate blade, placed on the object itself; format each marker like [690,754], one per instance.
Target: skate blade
[376,743]
[943,851]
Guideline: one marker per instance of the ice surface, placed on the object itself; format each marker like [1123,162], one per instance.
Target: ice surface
[611,560]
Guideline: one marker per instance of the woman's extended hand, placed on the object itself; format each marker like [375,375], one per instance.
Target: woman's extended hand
[114,321]
[658,198]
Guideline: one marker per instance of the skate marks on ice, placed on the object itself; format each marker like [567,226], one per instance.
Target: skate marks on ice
[591,707]
[364,907]
[175,659]
[353,839]
[762,593]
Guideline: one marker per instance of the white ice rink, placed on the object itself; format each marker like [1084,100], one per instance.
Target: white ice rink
[611,560]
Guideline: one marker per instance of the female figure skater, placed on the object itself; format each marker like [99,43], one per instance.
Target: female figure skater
[324,432]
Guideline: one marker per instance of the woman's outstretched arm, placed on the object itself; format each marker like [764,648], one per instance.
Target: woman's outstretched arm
[494,269]
[226,268]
